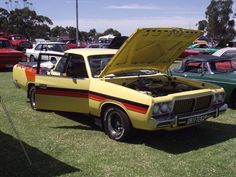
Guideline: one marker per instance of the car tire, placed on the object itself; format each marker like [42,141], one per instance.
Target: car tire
[32,59]
[32,97]
[117,124]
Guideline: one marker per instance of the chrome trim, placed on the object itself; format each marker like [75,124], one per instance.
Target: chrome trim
[173,122]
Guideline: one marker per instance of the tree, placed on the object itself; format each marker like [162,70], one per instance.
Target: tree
[220,23]
[202,25]
[24,21]
[112,31]
[58,31]
[92,34]
[71,31]
[3,19]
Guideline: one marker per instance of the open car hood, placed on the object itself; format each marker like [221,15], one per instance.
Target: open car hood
[151,49]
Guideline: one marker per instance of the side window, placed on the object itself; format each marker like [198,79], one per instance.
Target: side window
[194,67]
[61,65]
[76,67]
[203,46]
[50,47]
[38,47]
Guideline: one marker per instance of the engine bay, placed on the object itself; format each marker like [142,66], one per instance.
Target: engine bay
[159,86]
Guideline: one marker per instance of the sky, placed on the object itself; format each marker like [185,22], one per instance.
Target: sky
[123,15]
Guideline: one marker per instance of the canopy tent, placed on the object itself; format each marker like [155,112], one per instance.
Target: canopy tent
[108,37]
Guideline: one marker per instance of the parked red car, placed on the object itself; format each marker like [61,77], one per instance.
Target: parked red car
[19,42]
[188,52]
[8,56]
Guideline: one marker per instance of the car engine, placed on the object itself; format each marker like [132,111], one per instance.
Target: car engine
[159,86]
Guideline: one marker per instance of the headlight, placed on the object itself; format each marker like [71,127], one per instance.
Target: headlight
[156,109]
[162,108]
[218,98]
[221,97]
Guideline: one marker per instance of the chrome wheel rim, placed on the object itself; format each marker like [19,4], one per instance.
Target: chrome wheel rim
[115,125]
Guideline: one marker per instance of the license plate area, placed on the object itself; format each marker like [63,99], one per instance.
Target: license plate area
[192,120]
[195,120]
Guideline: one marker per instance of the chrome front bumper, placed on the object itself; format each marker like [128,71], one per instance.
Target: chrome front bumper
[186,120]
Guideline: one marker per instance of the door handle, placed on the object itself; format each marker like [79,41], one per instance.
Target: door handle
[43,86]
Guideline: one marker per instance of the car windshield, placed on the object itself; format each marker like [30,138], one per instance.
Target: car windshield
[17,37]
[97,63]
[57,47]
[5,44]
[223,66]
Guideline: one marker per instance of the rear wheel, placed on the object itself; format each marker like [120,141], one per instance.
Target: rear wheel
[32,97]
[32,59]
[117,124]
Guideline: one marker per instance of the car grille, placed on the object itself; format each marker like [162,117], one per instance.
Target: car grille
[193,104]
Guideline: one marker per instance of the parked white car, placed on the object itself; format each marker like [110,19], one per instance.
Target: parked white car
[227,51]
[54,50]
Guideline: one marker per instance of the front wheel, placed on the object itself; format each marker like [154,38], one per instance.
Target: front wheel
[117,124]
[32,97]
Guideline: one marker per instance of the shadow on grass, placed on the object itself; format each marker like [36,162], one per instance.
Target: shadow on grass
[14,164]
[175,142]
[87,122]
[186,140]
[5,70]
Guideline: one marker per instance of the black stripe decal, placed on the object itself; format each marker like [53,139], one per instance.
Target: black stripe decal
[99,94]
[120,100]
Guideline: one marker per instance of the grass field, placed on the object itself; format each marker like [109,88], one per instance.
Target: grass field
[62,144]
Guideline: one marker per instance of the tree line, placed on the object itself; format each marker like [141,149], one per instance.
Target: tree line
[28,23]
[219,23]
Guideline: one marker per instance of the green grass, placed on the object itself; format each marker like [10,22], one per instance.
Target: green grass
[62,144]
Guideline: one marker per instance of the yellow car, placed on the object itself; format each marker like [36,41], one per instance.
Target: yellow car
[125,89]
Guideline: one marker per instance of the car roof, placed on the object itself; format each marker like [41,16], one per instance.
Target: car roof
[43,42]
[205,58]
[223,50]
[3,39]
[91,51]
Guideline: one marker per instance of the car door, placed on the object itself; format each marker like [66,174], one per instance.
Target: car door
[64,89]
[40,48]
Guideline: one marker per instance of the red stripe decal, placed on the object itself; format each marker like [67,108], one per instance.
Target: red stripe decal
[135,108]
[96,97]
[128,106]
[91,96]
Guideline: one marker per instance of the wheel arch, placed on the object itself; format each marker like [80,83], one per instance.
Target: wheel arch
[29,87]
[106,105]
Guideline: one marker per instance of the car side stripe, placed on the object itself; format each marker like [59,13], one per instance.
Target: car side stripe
[133,106]
[62,92]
